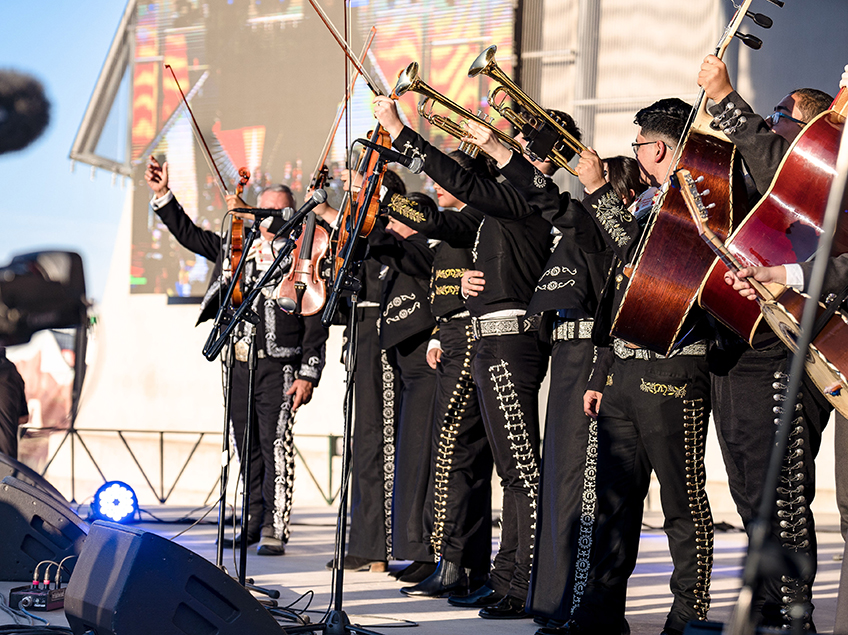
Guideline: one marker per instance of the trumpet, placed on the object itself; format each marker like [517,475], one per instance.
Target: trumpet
[546,135]
[409,80]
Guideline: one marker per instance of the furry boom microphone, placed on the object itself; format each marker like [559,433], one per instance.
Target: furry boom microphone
[24,110]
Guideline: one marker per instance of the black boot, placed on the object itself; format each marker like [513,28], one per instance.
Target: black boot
[447,578]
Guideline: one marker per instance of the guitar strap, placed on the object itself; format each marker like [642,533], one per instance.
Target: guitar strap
[831,308]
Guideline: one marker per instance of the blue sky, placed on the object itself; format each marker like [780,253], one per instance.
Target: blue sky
[44,205]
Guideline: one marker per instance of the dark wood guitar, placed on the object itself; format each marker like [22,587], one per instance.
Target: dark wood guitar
[673,260]
[786,224]
[781,308]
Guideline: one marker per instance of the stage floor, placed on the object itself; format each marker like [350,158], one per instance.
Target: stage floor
[373,599]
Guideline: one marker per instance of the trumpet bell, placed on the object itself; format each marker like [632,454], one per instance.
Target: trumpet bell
[483,61]
[407,79]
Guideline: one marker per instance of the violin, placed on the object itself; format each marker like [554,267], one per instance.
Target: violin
[236,246]
[303,282]
[366,167]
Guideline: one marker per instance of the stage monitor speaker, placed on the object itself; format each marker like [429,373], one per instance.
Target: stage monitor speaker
[131,582]
[11,467]
[35,527]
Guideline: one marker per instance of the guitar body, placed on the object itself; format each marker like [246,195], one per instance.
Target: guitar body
[675,260]
[785,225]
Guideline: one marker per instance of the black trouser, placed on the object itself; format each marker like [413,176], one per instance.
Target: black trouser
[460,528]
[272,448]
[373,466]
[653,415]
[748,391]
[566,514]
[417,384]
[508,371]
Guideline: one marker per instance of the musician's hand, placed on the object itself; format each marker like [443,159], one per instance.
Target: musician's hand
[472,283]
[302,391]
[385,110]
[157,177]
[485,139]
[843,83]
[322,210]
[592,403]
[714,79]
[434,356]
[761,274]
[351,176]
[590,170]
[234,201]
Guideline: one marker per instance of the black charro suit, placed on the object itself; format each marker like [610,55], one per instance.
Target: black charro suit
[289,347]
[508,368]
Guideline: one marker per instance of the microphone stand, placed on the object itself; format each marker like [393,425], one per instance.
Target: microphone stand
[212,349]
[757,560]
[335,621]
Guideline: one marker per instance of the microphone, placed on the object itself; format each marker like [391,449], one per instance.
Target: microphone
[413,164]
[318,197]
[24,110]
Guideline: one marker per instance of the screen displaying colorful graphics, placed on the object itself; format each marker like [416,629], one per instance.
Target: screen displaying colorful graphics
[264,80]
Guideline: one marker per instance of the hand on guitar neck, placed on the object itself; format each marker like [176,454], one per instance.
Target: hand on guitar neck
[714,79]
[765,275]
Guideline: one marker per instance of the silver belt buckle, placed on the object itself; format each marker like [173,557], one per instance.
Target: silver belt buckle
[242,350]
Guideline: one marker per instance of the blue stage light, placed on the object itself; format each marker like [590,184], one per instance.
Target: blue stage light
[115,501]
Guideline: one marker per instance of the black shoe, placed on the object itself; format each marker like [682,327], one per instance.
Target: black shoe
[423,571]
[355,563]
[509,608]
[555,630]
[484,596]
[252,539]
[447,578]
[671,631]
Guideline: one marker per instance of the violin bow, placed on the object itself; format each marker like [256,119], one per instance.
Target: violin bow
[343,105]
[348,53]
[195,128]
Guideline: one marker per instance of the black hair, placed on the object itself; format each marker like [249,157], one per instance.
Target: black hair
[481,165]
[567,122]
[811,102]
[393,183]
[423,200]
[623,175]
[665,119]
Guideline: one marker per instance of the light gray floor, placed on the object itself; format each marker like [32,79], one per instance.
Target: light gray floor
[373,599]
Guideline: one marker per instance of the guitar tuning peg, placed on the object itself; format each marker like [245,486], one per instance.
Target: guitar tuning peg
[760,20]
[700,179]
[751,41]
[711,205]
[705,193]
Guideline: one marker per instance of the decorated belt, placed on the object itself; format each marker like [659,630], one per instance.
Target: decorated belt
[623,351]
[572,330]
[515,325]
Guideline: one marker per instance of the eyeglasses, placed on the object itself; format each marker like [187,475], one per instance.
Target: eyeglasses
[776,116]
[636,145]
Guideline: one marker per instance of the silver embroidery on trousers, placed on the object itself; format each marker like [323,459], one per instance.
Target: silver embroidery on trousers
[447,443]
[588,511]
[284,460]
[388,377]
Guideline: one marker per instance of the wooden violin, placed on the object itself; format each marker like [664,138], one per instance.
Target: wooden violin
[235,245]
[303,282]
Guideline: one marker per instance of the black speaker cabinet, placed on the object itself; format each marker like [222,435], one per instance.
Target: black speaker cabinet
[11,467]
[131,582]
[35,527]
